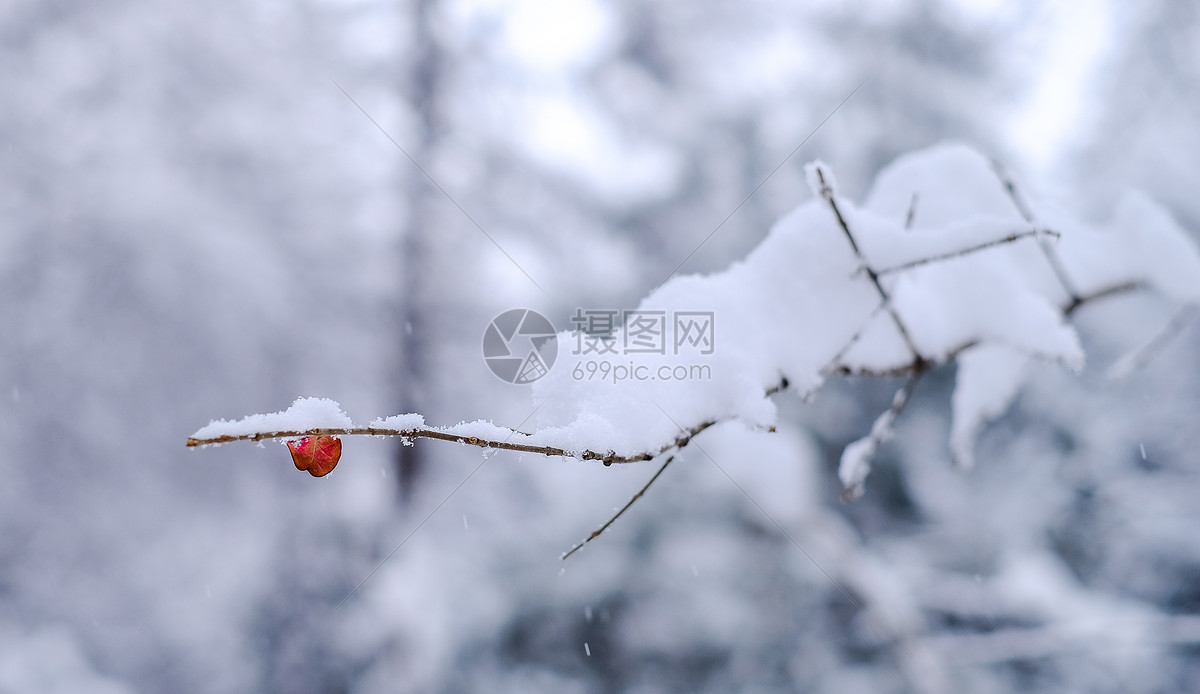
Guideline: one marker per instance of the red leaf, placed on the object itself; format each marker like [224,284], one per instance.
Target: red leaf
[316,454]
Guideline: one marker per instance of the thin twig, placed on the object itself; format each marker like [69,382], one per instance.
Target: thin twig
[599,531]
[1015,236]
[841,353]
[912,211]
[881,431]
[827,194]
[1026,212]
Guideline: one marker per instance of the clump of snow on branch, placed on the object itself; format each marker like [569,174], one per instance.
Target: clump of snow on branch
[303,415]
[402,422]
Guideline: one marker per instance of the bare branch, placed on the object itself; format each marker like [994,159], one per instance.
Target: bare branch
[598,531]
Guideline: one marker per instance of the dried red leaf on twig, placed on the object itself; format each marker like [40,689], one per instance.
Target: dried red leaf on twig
[316,454]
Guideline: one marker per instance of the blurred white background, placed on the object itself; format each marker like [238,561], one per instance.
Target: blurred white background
[198,223]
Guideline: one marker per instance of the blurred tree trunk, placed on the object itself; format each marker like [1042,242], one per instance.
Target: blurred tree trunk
[422,82]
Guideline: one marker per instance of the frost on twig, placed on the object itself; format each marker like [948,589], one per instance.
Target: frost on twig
[979,273]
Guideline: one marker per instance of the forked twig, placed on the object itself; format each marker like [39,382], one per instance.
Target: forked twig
[827,193]
[599,531]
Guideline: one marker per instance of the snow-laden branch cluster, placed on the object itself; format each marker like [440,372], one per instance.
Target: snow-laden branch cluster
[946,260]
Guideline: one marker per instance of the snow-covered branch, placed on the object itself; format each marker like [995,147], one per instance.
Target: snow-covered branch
[483,434]
[885,288]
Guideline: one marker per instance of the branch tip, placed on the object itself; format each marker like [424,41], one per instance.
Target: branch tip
[599,531]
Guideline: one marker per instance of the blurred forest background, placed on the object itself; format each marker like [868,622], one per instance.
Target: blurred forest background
[198,223]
